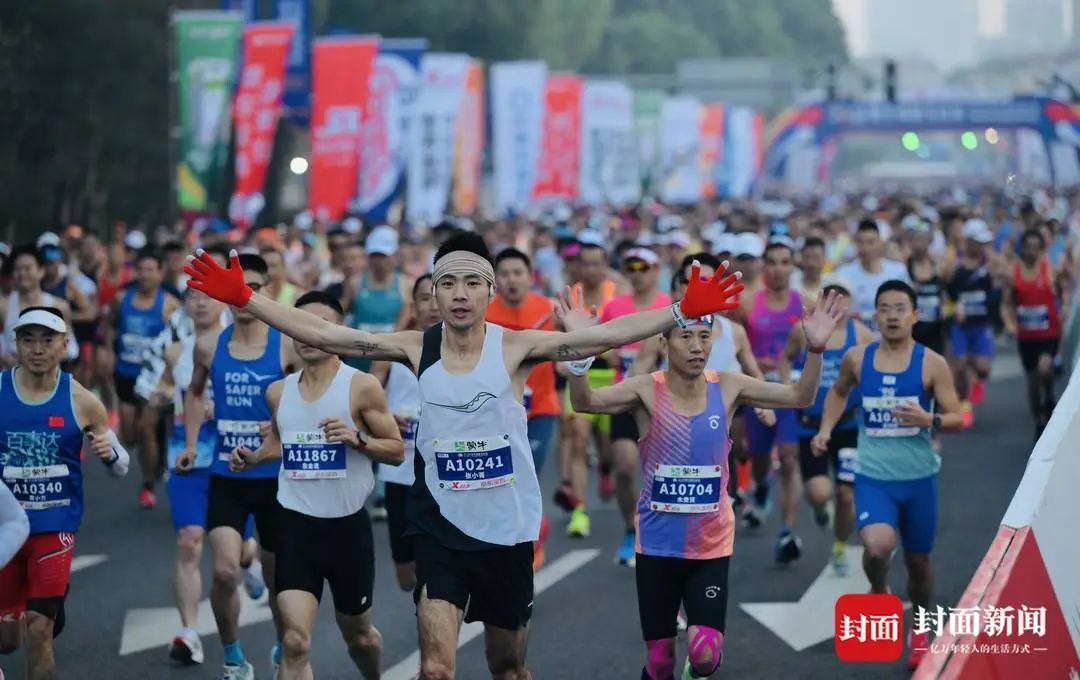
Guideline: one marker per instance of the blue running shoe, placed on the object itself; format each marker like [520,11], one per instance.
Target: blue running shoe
[626,556]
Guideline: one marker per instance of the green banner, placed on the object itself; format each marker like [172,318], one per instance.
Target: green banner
[207,51]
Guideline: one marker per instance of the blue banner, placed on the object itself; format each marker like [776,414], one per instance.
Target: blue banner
[297,97]
[249,8]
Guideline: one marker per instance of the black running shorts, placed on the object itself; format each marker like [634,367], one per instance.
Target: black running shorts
[494,586]
[337,550]
[401,546]
[623,426]
[232,499]
[818,466]
[665,583]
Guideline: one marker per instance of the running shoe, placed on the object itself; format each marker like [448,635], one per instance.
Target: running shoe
[788,547]
[565,497]
[147,499]
[840,563]
[232,672]
[579,523]
[538,546]
[254,584]
[607,486]
[822,516]
[275,659]
[186,649]
[754,515]
[738,500]
[626,556]
[968,415]
[680,622]
[978,392]
[918,645]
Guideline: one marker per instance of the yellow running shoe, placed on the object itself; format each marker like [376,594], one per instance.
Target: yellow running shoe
[579,523]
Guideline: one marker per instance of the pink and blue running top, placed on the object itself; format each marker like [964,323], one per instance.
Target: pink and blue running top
[684,509]
[768,328]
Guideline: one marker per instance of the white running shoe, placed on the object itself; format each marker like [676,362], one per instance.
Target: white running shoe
[245,672]
[253,580]
[186,649]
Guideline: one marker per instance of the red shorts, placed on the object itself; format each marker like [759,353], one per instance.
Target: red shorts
[39,571]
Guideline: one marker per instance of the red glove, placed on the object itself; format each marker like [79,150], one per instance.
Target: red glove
[718,294]
[226,285]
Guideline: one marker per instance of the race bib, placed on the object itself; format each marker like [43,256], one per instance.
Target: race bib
[40,488]
[235,434]
[482,463]
[974,302]
[307,455]
[1034,318]
[626,359]
[929,309]
[133,346]
[879,419]
[686,488]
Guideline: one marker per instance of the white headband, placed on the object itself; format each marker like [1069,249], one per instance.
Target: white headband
[464,263]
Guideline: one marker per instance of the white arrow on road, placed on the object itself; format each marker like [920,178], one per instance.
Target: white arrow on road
[83,561]
[809,621]
[155,626]
[409,667]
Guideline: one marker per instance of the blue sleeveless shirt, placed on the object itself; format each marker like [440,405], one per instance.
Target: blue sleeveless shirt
[135,332]
[239,387]
[40,446]
[810,417]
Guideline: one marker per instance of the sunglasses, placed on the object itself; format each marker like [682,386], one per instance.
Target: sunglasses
[636,266]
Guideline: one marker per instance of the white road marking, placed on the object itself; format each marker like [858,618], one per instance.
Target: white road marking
[155,626]
[409,667]
[83,561]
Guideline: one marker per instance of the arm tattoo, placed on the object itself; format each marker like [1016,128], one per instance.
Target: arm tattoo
[366,348]
[568,353]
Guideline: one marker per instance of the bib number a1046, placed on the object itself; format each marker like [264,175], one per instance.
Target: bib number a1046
[235,434]
[481,463]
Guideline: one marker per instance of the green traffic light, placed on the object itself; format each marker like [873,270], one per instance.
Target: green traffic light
[969,140]
[910,140]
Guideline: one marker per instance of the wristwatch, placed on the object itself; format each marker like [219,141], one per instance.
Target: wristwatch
[362,439]
[936,423]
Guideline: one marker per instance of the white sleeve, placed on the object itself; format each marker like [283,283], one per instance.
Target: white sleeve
[14,525]
[119,467]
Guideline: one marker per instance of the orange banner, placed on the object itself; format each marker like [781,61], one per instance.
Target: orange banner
[341,69]
[711,146]
[560,152]
[469,145]
[256,109]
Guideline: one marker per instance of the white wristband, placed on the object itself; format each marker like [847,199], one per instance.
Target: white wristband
[580,367]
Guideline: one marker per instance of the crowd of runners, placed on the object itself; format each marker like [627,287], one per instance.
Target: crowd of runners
[288,386]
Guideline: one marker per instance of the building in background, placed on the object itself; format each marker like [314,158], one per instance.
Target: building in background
[944,31]
[1035,26]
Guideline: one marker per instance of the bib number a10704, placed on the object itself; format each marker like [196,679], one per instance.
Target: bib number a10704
[468,464]
[307,455]
[687,488]
[39,488]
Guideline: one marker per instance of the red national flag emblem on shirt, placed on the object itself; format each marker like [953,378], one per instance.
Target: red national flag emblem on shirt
[56,421]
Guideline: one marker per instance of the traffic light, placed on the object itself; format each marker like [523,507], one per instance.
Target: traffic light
[890,81]
[910,141]
[969,140]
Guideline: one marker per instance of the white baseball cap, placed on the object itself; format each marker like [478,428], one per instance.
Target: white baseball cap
[978,231]
[725,243]
[643,254]
[48,239]
[36,316]
[590,237]
[837,281]
[748,244]
[136,240]
[382,241]
[679,239]
[352,225]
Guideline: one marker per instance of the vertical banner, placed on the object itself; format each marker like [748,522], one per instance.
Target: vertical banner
[341,70]
[249,9]
[297,99]
[558,176]
[711,146]
[206,53]
[256,109]
[609,168]
[740,155]
[431,159]
[680,129]
[469,147]
[647,105]
[517,113]
[388,122]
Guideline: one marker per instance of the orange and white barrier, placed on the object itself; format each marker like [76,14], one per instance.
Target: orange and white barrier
[1032,563]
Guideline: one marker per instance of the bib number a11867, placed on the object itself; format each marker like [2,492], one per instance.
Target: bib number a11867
[686,488]
[307,455]
[467,464]
[39,488]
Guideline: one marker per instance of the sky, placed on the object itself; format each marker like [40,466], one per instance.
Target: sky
[991,20]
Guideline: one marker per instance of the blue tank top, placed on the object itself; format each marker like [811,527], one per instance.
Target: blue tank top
[135,332]
[374,310]
[59,290]
[40,455]
[888,450]
[810,418]
[206,445]
[239,388]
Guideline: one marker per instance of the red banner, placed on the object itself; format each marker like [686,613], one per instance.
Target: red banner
[561,151]
[711,147]
[256,109]
[341,68]
[469,154]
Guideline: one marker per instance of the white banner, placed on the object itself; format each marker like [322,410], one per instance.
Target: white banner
[740,150]
[517,111]
[431,160]
[680,127]
[609,163]
[395,84]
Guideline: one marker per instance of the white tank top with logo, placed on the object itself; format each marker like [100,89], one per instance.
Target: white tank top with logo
[723,357]
[474,445]
[402,399]
[319,478]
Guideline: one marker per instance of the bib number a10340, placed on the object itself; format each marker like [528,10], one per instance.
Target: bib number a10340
[39,488]
[468,464]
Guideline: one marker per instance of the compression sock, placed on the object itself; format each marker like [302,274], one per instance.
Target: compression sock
[234,656]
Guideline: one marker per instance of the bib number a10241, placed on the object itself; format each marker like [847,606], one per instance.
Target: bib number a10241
[468,464]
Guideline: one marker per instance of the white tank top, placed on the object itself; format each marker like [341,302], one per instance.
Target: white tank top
[317,478]
[474,444]
[723,357]
[14,308]
[403,399]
